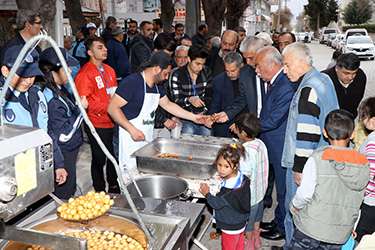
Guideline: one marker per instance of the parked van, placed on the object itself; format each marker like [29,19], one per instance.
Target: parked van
[352,32]
[326,33]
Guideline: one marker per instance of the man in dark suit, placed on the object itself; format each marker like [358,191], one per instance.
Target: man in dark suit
[273,119]
[225,90]
[251,88]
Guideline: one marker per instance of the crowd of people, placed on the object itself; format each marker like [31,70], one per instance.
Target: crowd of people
[294,124]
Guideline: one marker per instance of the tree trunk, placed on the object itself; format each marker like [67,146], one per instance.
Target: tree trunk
[74,13]
[167,14]
[46,9]
[214,14]
[7,29]
[235,10]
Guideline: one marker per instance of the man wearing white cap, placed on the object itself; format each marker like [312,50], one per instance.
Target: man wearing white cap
[91,28]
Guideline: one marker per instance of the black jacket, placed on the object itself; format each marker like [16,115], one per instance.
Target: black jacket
[248,97]
[215,63]
[224,92]
[198,39]
[140,51]
[350,97]
[232,206]
[17,40]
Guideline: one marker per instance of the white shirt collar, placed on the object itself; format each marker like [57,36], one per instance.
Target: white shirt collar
[233,182]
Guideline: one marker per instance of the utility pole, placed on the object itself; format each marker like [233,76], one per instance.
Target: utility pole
[101,13]
[279,17]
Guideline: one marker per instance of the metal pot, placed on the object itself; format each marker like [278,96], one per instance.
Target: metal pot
[160,187]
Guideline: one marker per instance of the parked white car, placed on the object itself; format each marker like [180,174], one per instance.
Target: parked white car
[338,42]
[303,37]
[326,32]
[362,46]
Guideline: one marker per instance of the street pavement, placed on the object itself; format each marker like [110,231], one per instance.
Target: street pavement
[321,58]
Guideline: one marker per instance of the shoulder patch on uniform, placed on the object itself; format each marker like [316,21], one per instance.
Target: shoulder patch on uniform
[9,115]
[347,156]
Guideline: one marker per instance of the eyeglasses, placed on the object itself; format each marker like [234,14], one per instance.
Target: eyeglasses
[38,22]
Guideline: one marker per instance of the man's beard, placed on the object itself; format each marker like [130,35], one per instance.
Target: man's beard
[158,79]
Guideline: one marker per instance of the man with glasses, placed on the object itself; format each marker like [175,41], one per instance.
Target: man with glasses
[229,41]
[29,25]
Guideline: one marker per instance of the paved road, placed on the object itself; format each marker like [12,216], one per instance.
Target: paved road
[322,56]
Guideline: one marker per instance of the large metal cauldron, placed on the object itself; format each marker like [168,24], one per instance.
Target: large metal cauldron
[160,187]
[117,224]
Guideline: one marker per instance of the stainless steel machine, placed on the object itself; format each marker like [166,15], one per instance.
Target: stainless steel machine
[26,176]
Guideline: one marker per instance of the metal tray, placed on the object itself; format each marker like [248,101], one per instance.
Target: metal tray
[200,166]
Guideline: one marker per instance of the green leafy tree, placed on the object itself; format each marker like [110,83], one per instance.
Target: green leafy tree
[365,10]
[317,10]
[358,12]
[332,10]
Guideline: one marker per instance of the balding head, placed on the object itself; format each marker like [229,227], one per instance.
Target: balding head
[249,47]
[268,62]
[229,41]
[297,60]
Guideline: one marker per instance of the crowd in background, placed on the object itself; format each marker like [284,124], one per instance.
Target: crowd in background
[294,123]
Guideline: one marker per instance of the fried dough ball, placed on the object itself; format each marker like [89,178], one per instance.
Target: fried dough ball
[86,207]
[101,240]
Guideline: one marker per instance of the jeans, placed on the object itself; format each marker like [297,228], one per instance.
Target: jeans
[291,188]
[301,241]
[189,127]
[280,178]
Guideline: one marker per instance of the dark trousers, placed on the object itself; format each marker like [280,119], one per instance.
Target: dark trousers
[366,224]
[280,180]
[301,241]
[99,159]
[68,189]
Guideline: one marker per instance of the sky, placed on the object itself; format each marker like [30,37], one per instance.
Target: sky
[296,6]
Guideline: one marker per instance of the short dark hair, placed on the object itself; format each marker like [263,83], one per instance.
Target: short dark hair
[179,25]
[202,26]
[339,124]
[186,38]
[110,19]
[366,109]
[240,29]
[249,123]
[158,22]
[143,23]
[197,51]
[89,42]
[289,33]
[132,21]
[349,61]
[158,58]
[336,54]
[165,41]
[29,16]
